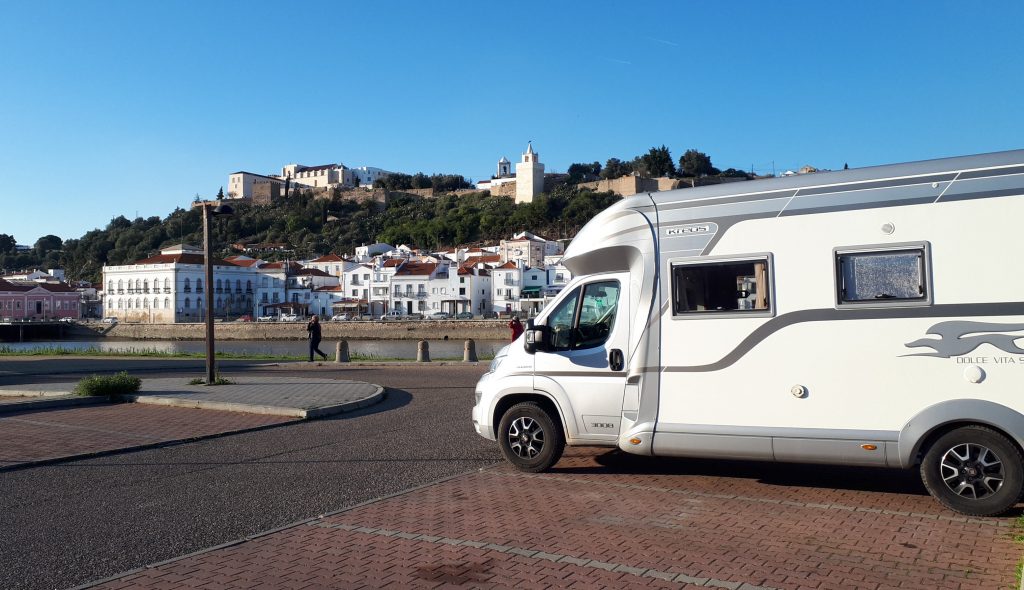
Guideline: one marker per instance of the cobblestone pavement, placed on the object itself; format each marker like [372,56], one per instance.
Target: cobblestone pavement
[31,437]
[600,519]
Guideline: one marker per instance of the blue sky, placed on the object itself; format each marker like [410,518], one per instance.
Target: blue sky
[132,108]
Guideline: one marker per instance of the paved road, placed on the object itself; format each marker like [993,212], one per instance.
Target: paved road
[66,524]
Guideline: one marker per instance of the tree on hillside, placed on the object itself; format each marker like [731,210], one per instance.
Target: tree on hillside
[658,162]
[220,194]
[695,163]
[7,244]
[48,243]
[584,172]
[615,168]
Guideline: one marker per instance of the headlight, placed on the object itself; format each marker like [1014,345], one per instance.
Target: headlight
[498,358]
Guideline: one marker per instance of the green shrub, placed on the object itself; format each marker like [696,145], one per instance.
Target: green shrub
[218,381]
[108,384]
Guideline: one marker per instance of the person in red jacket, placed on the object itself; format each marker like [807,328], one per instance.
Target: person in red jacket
[516,326]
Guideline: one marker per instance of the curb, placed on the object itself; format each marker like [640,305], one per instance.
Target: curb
[32,405]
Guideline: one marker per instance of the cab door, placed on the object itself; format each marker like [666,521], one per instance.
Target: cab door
[585,356]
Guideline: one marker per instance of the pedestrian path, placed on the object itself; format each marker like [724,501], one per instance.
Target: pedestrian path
[44,423]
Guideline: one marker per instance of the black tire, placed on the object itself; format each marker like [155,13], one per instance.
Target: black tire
[974,470]
[529,438]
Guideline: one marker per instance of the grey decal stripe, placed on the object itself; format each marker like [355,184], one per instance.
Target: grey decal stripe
[1006,192]
[857,206]
[628,231]
[725,223]
[953,310]
[595,374]
[843,188]
[991,172]
[729,200]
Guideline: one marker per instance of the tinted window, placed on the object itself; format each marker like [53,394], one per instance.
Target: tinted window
[720,287]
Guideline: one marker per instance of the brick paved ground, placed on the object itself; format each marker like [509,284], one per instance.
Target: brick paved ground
[55,433]
[600,520]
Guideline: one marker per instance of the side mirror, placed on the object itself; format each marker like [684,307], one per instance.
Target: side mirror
[536,339]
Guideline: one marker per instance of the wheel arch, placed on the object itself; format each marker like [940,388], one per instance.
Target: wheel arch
[547,403]
[934,421]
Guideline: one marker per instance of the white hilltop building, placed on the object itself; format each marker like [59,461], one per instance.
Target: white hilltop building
[247,185]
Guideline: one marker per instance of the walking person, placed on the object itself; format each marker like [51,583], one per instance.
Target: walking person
[516,326]
[313,327]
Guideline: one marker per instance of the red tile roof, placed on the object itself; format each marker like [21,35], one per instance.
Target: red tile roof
[329,258]
[417,268]
[182,259]
[57,288]
[393,262]
[9,286]
[292,266]
[311,272]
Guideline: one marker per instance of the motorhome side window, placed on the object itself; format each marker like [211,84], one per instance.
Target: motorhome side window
[881,276]
[716,287]
[581,322]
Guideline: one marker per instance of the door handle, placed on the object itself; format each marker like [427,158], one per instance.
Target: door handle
[616,360]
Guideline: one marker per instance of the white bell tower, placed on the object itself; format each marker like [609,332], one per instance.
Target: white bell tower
[529,176]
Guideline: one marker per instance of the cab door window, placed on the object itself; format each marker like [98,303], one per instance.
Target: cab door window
[581,322]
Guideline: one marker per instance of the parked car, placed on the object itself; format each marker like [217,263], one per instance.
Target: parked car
[266,318]
[341,317]
[109,320]
[464,315]
[394,314]
[244,318]
[490,315]
[439,315]
[290,317]
[67,320]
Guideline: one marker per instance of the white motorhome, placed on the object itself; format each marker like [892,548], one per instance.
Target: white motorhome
[862,317]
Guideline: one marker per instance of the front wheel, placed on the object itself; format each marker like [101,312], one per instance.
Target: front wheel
[529,438]
[974,470]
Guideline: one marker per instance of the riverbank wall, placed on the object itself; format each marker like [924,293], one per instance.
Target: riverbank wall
[357,330]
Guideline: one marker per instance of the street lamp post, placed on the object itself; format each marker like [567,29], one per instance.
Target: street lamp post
[211,369]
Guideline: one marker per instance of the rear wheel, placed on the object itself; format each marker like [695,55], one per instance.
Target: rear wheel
[529,438]
[974,470]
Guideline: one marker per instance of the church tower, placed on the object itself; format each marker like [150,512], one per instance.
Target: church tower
[529,176]
[504,168]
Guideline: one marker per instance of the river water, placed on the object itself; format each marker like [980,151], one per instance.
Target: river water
[400,349]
